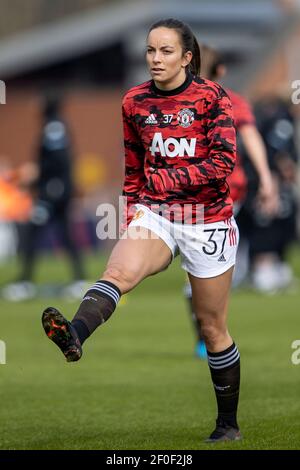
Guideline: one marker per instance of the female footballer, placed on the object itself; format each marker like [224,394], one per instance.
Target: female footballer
[180,147]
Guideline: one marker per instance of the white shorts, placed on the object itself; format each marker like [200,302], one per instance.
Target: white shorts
[206,250]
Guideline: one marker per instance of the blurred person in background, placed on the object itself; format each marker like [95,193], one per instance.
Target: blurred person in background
[52,191]
[15,207]
[179,143]
[271,235]
[213,68]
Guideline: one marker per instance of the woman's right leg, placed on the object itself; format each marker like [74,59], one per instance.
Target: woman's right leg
[135,257]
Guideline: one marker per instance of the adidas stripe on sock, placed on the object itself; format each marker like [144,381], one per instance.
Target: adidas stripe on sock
[224,359]
[105,289]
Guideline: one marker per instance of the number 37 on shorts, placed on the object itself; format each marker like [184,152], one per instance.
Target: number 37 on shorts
[214,251]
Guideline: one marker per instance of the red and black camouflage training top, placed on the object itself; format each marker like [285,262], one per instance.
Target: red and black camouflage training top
[179,147]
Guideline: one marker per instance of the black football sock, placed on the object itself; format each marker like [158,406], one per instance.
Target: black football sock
[225,373]
[195,320]
[81,329]
[96,307]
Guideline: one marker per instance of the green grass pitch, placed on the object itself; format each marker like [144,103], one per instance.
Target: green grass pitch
[138,385]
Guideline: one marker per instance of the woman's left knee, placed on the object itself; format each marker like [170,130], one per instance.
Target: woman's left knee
[213,331]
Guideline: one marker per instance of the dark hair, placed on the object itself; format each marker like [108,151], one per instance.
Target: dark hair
[187,39]
[210,61]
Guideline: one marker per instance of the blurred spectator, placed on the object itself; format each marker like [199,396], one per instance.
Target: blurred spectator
[251,145]
[15,206]
[213,68]
[52,190]
[271,235]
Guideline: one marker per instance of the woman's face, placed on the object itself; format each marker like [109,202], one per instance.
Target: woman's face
[165,59]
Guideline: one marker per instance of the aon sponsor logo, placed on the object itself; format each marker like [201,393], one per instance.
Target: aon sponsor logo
[172,147]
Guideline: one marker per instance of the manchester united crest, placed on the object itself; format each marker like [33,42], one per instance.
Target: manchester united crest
[185,117]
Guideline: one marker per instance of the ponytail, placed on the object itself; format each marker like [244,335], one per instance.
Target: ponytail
[195,65]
